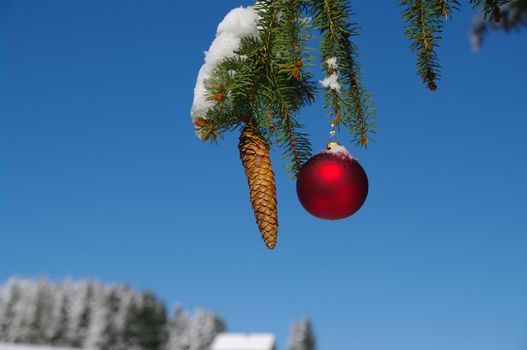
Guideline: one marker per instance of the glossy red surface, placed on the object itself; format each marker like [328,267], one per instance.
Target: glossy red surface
[332,186]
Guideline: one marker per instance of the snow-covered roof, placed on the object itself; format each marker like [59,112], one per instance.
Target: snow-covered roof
[243,341]
[9,346]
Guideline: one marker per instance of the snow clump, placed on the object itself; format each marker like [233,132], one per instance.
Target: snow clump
[238,23]
[331,81]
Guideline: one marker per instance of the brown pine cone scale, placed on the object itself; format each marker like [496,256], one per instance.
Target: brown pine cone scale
[254,154]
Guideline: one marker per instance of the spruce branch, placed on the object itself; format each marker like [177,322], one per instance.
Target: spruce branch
[286,87]
[296,145]
[491,9]
[445,7]
[268,87]
[361,106]
[228,87]
[514,17]
[347,99]
[328,20]
[269,115]
[423,29]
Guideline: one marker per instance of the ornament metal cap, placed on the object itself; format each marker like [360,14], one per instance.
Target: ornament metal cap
[332,144]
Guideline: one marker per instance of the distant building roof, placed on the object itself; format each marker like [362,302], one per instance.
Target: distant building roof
[243,341]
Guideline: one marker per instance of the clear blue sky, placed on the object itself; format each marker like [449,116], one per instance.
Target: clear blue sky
[102,176]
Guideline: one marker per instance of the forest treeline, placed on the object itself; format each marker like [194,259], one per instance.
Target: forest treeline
[92,315]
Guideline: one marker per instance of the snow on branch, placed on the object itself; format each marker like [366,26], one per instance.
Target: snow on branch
[238,23]
[331,80]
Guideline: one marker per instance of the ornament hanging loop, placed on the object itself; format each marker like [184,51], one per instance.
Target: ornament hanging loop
[332,133]
[332,138]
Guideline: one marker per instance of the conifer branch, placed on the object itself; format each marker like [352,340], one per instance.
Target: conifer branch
[360,106]
[423,28]
[491,9]
[285,87]
[347,99]
[288,127]
[335,102]
[445,7]
[269,116]
[325,19]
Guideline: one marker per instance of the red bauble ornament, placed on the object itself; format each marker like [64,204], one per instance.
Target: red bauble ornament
[332,184]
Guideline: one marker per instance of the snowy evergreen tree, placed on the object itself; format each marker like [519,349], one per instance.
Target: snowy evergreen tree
[80,313]
[146,323]
[122,318]
[109,338]
[26,320]
[203,328]
[302,336]
[59,322]
[178,330]
[195,333]
[11,295]
[97,317]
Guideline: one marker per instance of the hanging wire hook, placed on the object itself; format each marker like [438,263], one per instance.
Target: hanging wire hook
[332,132]
[333,142]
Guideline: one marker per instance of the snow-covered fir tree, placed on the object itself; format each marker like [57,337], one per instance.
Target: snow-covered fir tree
[302,336]
[9,296]
[26,321]
[145,323]
[80,312]
[10,300]
[97,317]
[193,333]
[178,330]
[203,328]
[56,332]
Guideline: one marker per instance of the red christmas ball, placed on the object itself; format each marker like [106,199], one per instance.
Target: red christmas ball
[332,184]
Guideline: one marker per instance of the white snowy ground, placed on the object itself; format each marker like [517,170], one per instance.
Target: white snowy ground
[5,346]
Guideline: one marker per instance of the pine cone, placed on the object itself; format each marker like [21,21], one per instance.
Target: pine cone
[254,153]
